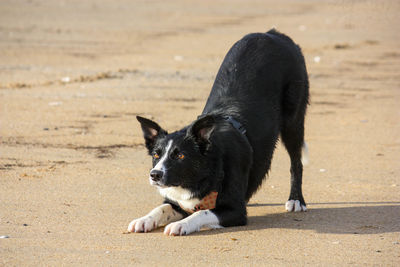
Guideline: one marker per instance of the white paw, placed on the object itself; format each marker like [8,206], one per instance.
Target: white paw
[294,205]
[178,228]
[144,224]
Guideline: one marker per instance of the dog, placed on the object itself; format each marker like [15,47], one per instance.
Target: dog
[208,170]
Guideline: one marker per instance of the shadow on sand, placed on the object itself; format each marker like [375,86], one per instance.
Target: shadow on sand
[360,218]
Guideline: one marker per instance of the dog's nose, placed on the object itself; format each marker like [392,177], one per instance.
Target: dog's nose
[156,175]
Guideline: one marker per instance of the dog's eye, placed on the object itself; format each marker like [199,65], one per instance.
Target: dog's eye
[180,156]
[156,155]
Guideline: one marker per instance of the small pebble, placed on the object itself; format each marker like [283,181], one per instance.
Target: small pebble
[66,79]
[178,58]
[322,170]
[317,59]
[302,28]
[4,236]
[55,103]
[25,224]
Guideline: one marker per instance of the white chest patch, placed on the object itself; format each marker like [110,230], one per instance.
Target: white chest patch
[180,195]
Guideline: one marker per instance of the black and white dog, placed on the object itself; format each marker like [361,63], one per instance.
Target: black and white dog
[208,170]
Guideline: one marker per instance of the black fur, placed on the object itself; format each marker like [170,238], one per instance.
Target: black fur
[263,84]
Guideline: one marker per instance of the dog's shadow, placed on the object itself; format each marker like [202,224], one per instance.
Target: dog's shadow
[359,218]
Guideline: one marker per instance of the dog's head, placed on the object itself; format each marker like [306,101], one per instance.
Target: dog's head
[182,158]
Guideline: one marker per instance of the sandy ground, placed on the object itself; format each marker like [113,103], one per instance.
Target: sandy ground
[74,74]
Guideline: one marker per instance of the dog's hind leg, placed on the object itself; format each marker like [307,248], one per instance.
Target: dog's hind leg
[292,134]
[293,140]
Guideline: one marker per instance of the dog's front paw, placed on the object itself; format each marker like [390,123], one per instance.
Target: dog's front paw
[178,228]
[295,205]
[144,224]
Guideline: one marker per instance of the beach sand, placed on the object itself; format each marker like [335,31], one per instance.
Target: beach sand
[74,171]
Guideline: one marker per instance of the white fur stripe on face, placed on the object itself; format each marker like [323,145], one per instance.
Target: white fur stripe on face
[160,164]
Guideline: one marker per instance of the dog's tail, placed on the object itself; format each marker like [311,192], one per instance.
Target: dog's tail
[304,154]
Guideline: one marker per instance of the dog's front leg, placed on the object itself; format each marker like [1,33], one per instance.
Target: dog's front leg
[193,223]
[161,215]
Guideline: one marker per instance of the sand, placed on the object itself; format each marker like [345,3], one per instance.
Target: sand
[74,74]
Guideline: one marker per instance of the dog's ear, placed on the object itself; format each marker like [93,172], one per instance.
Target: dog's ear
[201,130]
[151,132]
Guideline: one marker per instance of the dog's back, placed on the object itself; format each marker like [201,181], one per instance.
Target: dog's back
[263,83]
